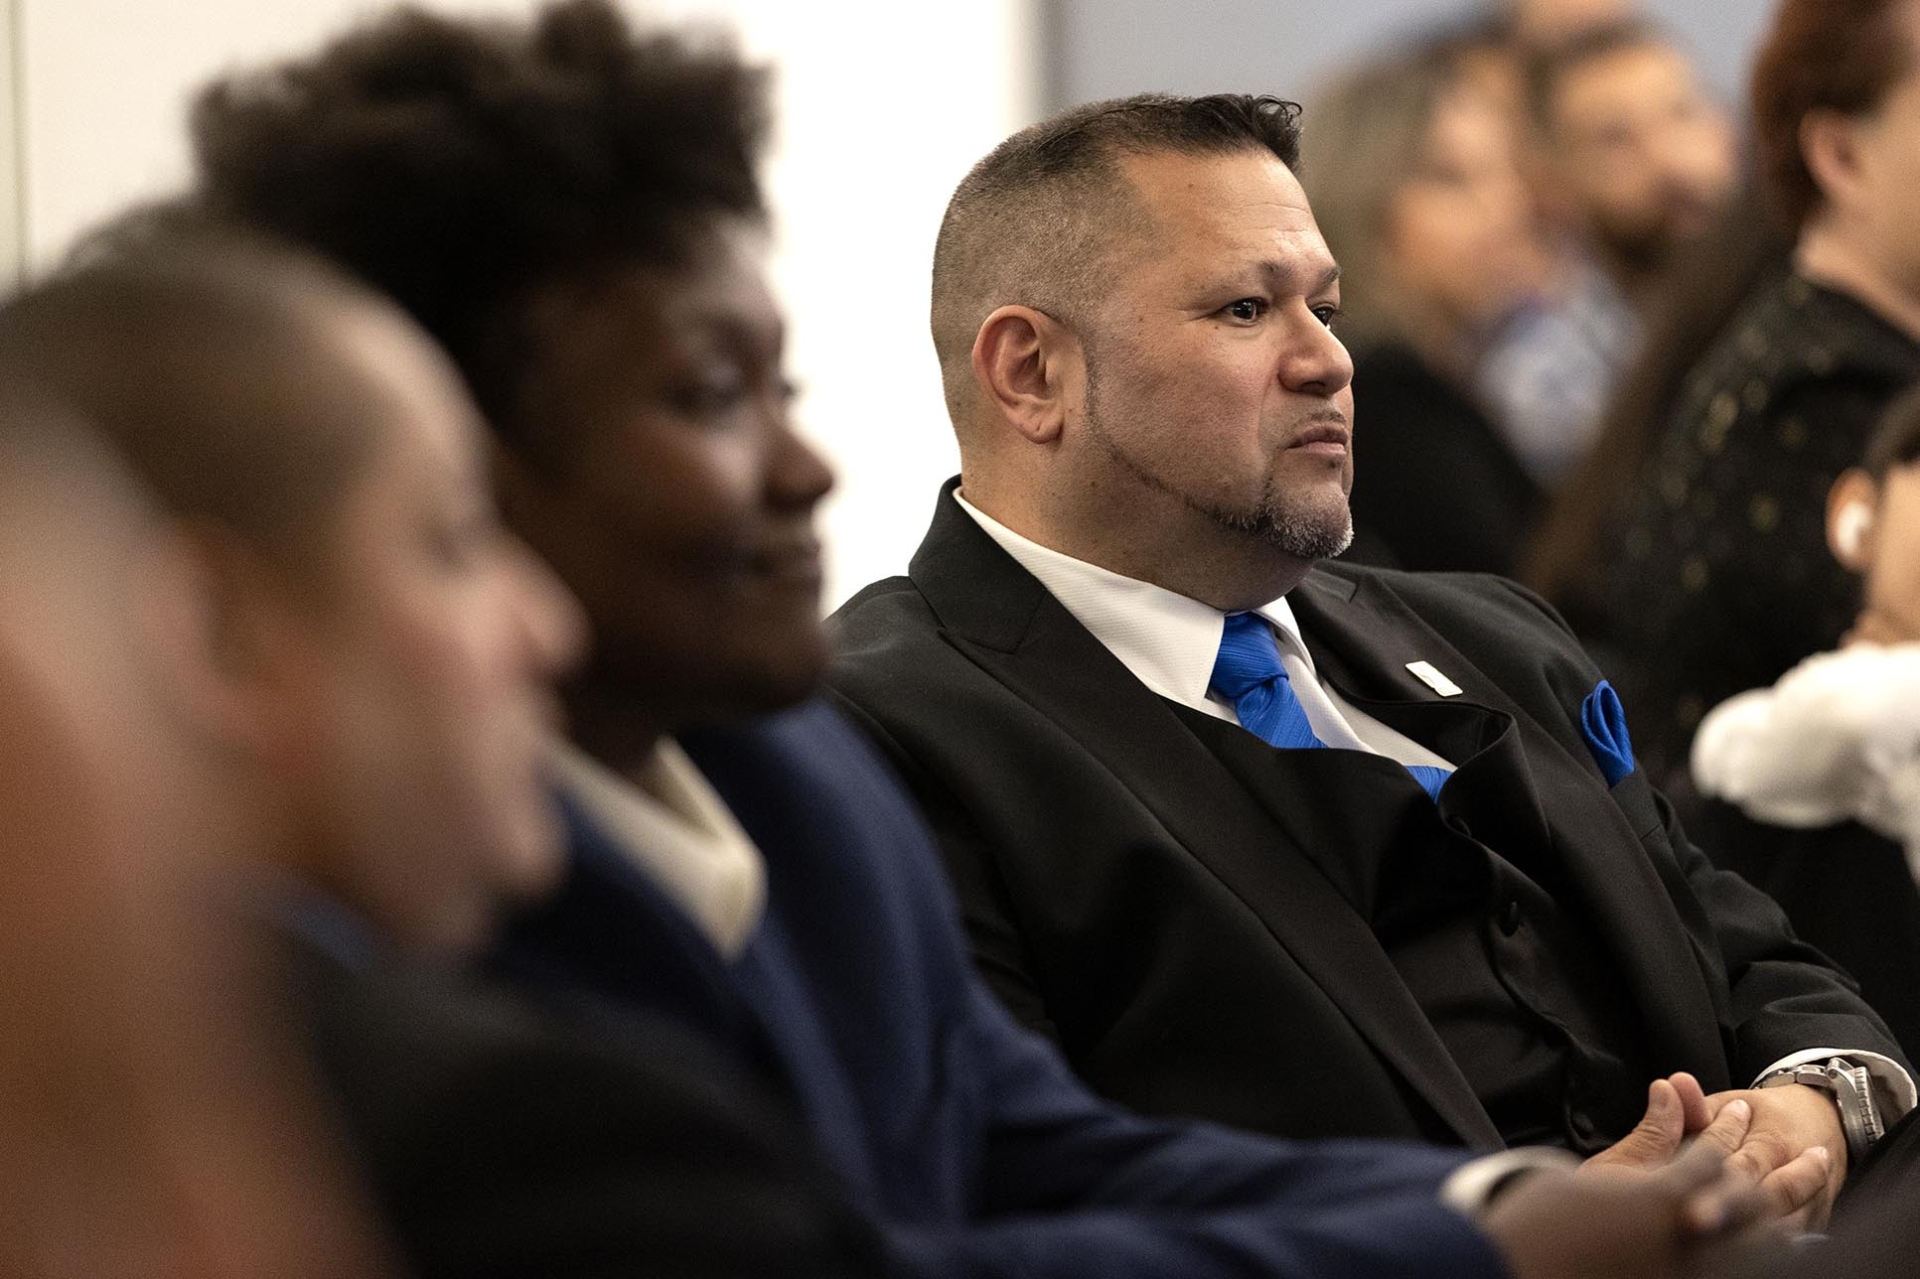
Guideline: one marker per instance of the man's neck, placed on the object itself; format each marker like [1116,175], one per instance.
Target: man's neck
[1636,282]
[1828,257]
[1872,627]
[1220,567]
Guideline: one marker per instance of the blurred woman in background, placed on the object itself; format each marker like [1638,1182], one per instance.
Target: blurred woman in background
[1709,283]
[1720,580]
[1410,164]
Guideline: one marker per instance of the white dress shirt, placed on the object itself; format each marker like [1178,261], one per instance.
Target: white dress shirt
[674,827]
[1170,644]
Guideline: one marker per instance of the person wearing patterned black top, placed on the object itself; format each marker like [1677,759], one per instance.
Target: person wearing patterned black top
[1722,581]
[1719,579]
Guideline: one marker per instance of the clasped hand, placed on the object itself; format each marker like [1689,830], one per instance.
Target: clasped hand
[1652,1209]
[1793,1149]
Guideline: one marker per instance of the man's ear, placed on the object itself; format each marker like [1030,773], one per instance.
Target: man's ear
[1830,148]
[1852,507]
[1028,366]
[224,638]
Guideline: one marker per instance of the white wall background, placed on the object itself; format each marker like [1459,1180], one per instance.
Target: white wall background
[1109,48]
[883,107]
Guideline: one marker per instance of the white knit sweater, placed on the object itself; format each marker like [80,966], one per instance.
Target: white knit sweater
[1837,738]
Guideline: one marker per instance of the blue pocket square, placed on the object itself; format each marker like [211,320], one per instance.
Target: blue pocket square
[1603,722]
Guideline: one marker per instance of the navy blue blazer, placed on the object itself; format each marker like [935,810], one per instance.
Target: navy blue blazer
[963,1135]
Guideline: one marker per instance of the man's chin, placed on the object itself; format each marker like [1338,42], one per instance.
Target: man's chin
[1313,530]
[1313,541]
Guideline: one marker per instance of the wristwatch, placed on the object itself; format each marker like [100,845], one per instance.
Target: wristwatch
[1851,1088]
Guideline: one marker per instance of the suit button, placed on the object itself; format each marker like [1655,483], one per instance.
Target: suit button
[1510,917]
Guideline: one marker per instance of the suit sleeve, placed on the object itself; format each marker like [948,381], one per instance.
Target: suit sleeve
[986,907]
[1072,1186]
[501,1144]
[1783,995]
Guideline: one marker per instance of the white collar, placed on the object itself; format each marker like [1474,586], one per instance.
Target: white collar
[678,830]
[1169,642]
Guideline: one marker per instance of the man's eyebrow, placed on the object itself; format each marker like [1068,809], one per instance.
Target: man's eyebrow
[1282,274]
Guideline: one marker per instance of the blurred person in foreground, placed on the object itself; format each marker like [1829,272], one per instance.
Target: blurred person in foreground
[573,210]
[354,656]
[1718,579]
[1827,759]
[1412,172]
[1222,811]
[1637,159]
[153,1124]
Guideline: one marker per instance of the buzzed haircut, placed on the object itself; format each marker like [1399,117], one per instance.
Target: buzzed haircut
[205,361]
[1548,67]
[1038,220]
[464,167]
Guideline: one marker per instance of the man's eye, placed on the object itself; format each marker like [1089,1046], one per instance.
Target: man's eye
[1327,313]
[1246,310]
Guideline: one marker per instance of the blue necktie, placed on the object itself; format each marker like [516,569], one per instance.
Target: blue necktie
[1250,674]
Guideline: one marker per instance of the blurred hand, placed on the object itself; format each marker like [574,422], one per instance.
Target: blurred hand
[1676,1221]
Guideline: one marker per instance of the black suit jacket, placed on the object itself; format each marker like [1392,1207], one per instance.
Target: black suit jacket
[505,1142]
[1191,946]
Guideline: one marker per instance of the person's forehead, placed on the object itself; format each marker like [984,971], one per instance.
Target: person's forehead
[1242,202]
[1618,77]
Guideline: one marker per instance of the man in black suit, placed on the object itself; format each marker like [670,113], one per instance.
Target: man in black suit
[1437,900]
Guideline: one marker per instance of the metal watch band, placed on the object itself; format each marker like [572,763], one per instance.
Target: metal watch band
[1851,1088]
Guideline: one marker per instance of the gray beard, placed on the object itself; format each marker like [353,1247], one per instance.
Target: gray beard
[1301,534]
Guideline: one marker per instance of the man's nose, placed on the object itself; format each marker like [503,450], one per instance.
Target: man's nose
[1316,361]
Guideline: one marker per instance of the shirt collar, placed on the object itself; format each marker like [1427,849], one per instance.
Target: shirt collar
[675,827]
[1168,641]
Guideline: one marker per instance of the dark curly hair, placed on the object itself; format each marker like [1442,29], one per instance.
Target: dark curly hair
[464,166]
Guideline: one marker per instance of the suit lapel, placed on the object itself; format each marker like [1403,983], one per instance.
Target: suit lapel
[1006,623]
[1362,636]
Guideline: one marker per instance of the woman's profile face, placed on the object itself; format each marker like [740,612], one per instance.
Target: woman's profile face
[433,642]
[1879,210]
[1460,236]
[670,488]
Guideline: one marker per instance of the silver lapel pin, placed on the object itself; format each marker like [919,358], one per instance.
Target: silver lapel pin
[1433,679]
